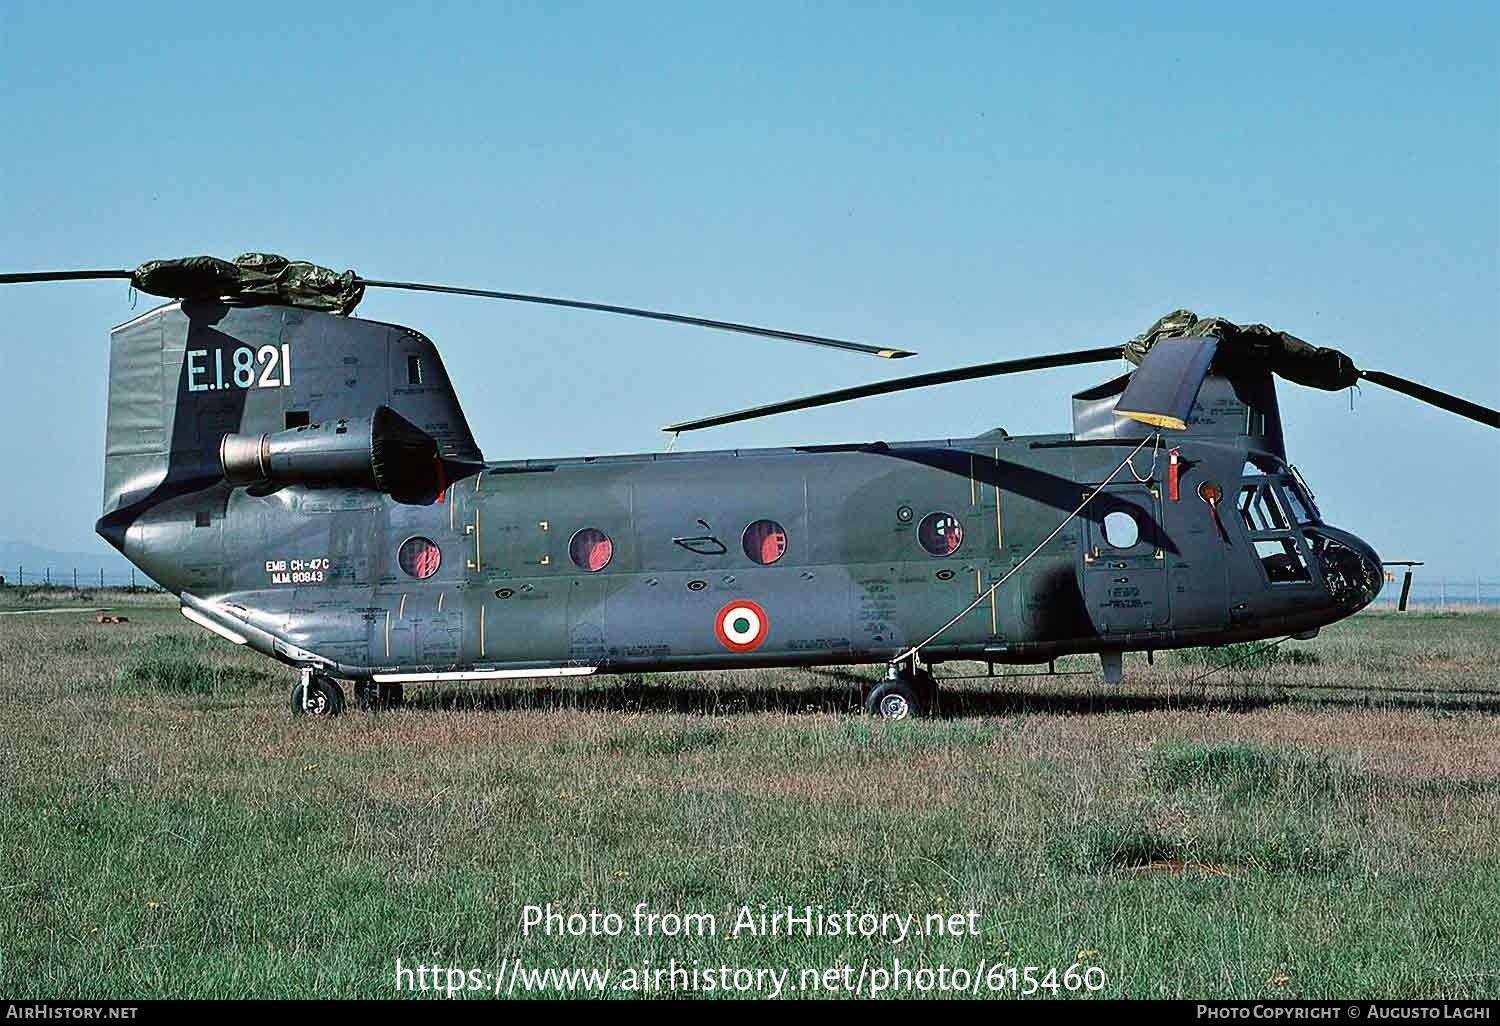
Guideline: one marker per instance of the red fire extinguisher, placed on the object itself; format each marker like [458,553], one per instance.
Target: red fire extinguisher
[1172,474]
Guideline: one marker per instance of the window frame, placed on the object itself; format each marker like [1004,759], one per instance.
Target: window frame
[1109,544]
[422,538]
[922,524]
[786,540]
[1294,496]
[1266,484]
[602,533]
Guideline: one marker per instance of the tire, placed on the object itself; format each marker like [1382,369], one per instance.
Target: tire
[926,687]
[325,698]
[895,700]
[372,697]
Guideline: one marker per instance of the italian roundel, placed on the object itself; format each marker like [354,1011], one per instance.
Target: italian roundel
[741,626]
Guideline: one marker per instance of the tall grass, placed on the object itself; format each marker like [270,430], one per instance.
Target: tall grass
[1257,655]
[1246,772]
[184,664]
[159,839]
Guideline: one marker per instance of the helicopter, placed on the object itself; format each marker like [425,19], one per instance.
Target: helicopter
[306,483]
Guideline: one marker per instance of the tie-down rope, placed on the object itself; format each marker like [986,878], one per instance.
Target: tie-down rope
[911,653]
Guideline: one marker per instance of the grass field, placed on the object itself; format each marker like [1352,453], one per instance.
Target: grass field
[167,830]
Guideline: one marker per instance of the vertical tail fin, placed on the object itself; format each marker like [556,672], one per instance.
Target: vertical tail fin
[184,375]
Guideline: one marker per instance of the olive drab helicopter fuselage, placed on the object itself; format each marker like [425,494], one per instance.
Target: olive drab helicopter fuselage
[669,561]
[306,482]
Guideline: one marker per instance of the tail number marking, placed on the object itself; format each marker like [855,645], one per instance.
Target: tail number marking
[208,370]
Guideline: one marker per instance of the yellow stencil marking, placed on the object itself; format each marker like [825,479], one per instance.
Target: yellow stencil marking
[999,526]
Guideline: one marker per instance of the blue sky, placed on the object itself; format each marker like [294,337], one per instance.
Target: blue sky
[971,181]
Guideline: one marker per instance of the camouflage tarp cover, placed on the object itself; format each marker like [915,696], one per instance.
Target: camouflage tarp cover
[1249,347]
[253,279]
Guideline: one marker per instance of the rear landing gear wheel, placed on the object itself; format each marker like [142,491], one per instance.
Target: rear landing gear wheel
[316,695]
[903,695]
[372,697]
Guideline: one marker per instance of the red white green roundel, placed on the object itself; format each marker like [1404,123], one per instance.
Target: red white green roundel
[741,626]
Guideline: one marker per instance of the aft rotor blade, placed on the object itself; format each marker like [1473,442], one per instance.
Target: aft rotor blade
[843,395]
[1431,396]
[655,315]
[32,276]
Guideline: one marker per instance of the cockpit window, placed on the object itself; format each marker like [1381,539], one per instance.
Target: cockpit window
[1297,502]
[1291,493]
[1257,463]
[1260,508]
[1274,507]
[1283,562]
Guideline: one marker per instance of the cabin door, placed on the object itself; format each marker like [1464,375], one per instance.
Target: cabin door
[1125,569]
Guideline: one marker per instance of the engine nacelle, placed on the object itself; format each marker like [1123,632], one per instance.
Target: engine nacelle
[384,451]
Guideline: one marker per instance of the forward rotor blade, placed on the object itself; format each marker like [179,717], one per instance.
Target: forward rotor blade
[31,276]
[655,315]
[1431,396]
[843,395]
[1162,391]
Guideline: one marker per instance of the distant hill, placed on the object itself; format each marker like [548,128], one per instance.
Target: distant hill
[17,557]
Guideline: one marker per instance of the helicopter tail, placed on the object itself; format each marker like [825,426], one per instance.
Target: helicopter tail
[188,373]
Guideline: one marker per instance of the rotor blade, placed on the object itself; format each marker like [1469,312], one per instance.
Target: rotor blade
[31,276]
[843,395]
[1162,391]
[655,315]
[1431,396]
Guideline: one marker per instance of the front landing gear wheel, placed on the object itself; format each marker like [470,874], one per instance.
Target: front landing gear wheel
[892,700]
[316,695]
[904,694]
[370,696]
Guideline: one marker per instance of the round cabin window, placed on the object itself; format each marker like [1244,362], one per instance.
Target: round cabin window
[765,542]
[419,558]
[1120,530]
[591,549]
[940,533]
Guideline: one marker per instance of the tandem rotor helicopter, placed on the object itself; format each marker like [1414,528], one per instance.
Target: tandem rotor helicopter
[306,483]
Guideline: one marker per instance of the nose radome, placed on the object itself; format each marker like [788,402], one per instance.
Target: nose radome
[1376,567]
[1374,571]
[1351,569]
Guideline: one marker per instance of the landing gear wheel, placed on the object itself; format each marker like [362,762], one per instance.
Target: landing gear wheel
[316,695]
[903,695]
[370,696]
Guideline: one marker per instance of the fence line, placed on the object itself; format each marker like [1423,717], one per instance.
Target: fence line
[1442,592]
[63,577]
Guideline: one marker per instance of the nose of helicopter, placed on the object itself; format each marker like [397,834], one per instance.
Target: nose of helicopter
[1351,569]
